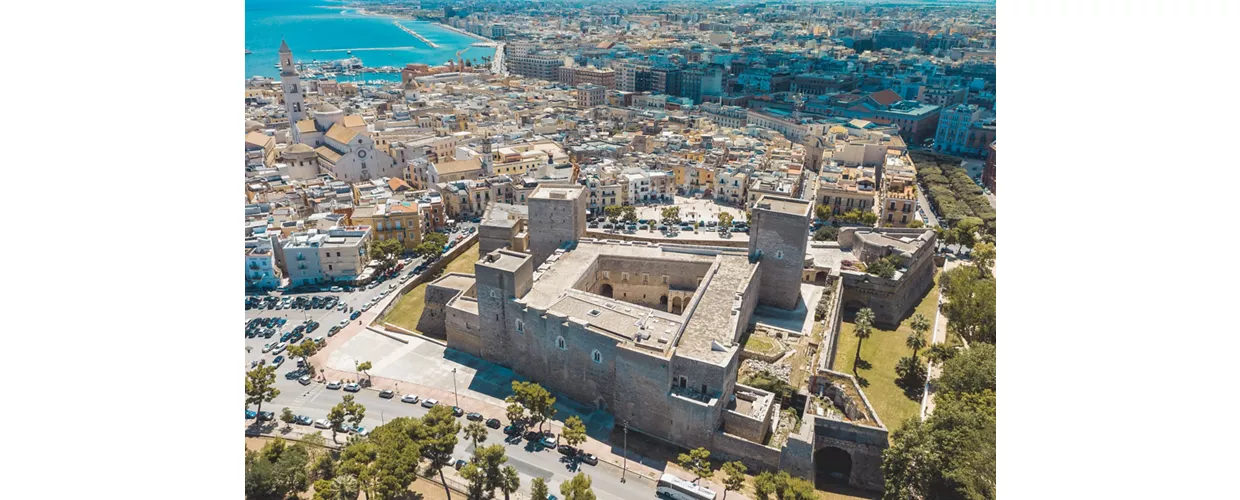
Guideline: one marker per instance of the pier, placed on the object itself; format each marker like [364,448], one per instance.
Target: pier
[415,35]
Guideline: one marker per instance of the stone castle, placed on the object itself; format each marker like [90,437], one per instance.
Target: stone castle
[650,332]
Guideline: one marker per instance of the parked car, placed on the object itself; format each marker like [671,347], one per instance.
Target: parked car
[566,450]
[352,387]
[493,423]
[335,384]
[429,403]
[547,441]
[264,416]
[409,398]
[459,463]
[267,348]
[303,420]
[355,314]
[336,289]
[322,423]
[386,394]
[304,380]
[457,411]
[475,416]
[278,361]
[589,458]
[250,414]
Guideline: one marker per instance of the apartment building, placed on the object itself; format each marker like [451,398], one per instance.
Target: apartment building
[336,255]
[260,264]
[541,66]
[846,188]
[392,220]
[898,196]
[590,95]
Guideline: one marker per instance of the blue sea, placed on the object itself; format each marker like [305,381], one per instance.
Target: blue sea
[327,30]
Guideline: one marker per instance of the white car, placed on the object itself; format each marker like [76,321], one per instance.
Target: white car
[335,384]
[304,380]
[322,423]
[336,289]
[344,322]
[267,347]
[409,398]
[279,348]
[366,307]
[392,286]
[342,306]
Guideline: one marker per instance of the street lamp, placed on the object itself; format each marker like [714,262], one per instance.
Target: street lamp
[454,394]
[625,469]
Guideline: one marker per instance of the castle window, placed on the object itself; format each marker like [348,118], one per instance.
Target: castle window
[520,326]
[494,294]
[559,342]
[779,254]
[597,356]
[624,276]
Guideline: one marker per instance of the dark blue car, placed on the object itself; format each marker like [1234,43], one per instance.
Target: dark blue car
[355,315]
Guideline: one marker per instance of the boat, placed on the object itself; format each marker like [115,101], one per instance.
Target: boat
[247,52]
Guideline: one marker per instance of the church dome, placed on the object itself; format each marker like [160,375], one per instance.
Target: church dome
[326,108]
[251,125]
[297,150]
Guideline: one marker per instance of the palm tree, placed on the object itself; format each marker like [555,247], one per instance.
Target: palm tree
[476,432]
[917,340]
[864,327]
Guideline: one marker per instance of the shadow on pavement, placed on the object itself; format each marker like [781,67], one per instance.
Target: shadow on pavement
[643,449]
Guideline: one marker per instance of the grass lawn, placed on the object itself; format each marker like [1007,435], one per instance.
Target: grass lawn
[882,351]
[408,310]
[762,345]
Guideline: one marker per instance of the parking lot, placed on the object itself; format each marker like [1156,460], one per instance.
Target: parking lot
[705,212]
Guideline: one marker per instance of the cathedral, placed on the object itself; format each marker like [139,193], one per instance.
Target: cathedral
[341,142]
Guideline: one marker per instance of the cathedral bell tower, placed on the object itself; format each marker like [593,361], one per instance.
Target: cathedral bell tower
[293,96]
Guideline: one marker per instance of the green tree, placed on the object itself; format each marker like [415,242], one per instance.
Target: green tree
[538,489]
[916,224]
[613,212]
[276,471]
[827,233]
[386,252]
[697,462]
[863,327]
[574,431]
[940,353]
[970,304]
[882,268]
[260,386]
[536,399]
[476,432]
[869,218]
[477,481]
[782,486]
[972,371]
[630,213]
[439,441]
[734,477]
[984,256]
[510,482]
[725,219]
[822,212]
[949,455]
[671,215]
[287,417]
[950,237]
[491,459]
[364,367]
[578,488]
[917,340]
[347,410]
[514,412]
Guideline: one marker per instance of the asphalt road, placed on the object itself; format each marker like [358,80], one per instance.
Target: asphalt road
[315,401]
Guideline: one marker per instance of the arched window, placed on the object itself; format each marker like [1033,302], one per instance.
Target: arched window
[559,342]
[596,356]
[520,326]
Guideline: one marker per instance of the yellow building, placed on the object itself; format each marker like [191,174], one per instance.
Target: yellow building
[394,220]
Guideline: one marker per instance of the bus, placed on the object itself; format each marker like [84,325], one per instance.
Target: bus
[678,489]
